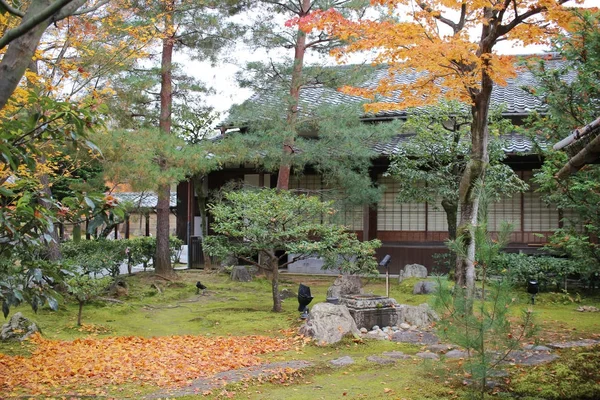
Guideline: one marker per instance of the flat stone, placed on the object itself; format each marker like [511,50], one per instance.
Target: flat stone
[415,337]
[380,360]
[440,348]
[456,354]
[405,326]
[519,357]
[363,330]
[576,343]
[537,348]
[427,356]
[397,355]
[227,377]
[342,361]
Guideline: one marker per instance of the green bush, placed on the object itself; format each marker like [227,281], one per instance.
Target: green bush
[105,256]
[96,256]
[519,268]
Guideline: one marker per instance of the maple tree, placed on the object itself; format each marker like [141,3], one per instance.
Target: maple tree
[449,47]
[429,166]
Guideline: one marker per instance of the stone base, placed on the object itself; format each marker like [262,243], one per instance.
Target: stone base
[370,310]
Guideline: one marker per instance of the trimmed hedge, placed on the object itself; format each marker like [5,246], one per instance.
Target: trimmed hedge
[547,270]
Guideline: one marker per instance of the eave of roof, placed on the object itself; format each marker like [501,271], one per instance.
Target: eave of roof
[583,146]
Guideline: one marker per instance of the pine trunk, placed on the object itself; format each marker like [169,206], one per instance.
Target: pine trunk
[283,178]
[162,260]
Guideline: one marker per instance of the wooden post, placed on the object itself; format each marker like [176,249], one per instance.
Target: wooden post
[87,232]
[127,227]
[148,224]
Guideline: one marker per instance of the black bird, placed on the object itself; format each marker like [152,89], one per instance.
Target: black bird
[199,287]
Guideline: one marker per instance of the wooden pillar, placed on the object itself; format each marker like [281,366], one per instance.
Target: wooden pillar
[127,227]
[148,224]
[87,232]
[61,231]
[116,231]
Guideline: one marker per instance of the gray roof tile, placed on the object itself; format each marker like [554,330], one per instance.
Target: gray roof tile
[143,199]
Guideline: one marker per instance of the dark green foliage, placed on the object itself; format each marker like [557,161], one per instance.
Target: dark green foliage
[104,256]
[254,224]
[549,271]
[572,94]
[26,279]
[100,256]
[573,377]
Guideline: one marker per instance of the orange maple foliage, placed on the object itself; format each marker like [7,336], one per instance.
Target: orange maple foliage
[170,361]
[443,42]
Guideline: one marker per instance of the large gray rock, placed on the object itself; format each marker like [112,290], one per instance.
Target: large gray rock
[328,323]
[240,273]
[424,287]
[412,270]
[18,328]
[345,285]
[421,316]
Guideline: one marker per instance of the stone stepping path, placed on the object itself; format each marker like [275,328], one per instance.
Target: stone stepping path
[223,378]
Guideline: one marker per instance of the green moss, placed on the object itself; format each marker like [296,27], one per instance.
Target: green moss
[573,376]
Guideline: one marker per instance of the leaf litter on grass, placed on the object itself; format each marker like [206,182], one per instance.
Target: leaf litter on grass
[169,361]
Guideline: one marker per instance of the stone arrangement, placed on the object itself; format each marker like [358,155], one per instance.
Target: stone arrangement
[18,328]
[412,271]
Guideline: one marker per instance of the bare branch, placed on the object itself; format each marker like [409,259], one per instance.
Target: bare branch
[28,24]
[11,9]
[439,17]
[91,9]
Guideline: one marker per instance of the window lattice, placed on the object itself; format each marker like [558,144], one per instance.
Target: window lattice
[394,216]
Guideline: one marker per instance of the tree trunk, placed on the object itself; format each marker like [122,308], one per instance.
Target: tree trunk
[275,282]
[162,260]
[19,53]
[21,50]
[451,210]
[474,173]
[283,178]
[79,313]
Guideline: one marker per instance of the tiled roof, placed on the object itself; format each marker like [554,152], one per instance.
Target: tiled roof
[513,143]
[512,97]
[143,199]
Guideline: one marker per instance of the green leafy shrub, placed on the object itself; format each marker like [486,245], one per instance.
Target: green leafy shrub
[519,268]
[96,256]
[85,288]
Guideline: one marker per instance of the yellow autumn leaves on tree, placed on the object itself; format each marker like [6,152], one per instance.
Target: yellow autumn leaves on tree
[170,361]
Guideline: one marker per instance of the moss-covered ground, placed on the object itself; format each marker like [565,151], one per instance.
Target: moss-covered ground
[239,309]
